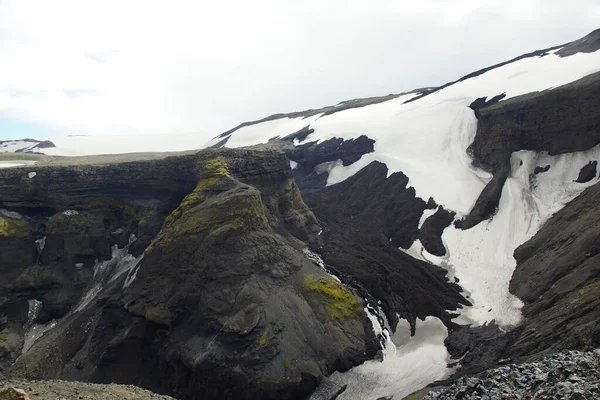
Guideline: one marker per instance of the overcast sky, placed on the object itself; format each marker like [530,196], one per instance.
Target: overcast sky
[121,67]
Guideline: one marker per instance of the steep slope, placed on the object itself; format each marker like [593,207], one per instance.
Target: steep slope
[457,177]
[222,304]
[562,306]
[442,208]
[429,139]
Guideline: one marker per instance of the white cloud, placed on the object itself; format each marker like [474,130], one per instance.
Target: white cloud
[105,67]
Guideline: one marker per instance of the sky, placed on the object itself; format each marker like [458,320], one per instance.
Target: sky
[145,67]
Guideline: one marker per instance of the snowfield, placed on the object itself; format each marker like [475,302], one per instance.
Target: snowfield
[427,139]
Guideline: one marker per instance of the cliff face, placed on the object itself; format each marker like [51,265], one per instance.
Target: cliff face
[215,299]
[558,278]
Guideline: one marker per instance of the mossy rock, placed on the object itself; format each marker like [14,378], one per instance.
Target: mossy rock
[215,167]
[339,302]
[12,227]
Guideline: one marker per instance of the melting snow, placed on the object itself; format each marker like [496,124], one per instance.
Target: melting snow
[427,139]
[107,271]
[409,364]
[33,330]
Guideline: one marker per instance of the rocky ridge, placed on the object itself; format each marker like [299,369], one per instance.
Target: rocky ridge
[201,288]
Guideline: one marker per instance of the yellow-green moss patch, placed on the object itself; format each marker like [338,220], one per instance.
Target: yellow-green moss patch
[264,338]
[12,227]
[338,300]
[215,166]
[287,363]
[157,315]
[4,335]
[197,196]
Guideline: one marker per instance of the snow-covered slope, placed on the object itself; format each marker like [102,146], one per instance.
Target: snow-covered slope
[427,139]
[24,146]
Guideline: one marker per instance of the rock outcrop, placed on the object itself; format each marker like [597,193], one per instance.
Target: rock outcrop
[557,121]
[365,219]
[216,299]
[562,306]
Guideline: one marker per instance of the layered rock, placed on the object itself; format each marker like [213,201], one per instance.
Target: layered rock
[557,121]
[221,301]
[558,277]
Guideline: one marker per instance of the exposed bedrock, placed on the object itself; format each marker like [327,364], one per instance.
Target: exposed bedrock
[224,304]
[365,219]
[430,233]
[558,279]
[312,154]
[561,120]
[587,44]
[587,172]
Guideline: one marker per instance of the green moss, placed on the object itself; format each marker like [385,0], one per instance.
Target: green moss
[197,196]
[12,227]
[157,315]
[287,363]
[339,301]
[215,167]
[264,338]
[4,335]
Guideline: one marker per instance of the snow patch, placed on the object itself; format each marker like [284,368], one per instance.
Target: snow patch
[108,271]
[32,175]
[33,330]
[409,364]
[426,214]
[482,257]
[10,214]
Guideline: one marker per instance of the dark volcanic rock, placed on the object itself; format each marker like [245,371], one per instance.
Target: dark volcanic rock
[301,135]
[310,155]
[558,279]
[483,102]
[224,304]
[486,203]
[587,172]
[431,231]
[587,44]
[365,219]
[560,120]
[540,170]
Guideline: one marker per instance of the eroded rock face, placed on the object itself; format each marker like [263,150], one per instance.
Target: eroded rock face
[561,120]
[562,306]
[430,233]
[309,155]
[56,226]
[223,304]
[365,219]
